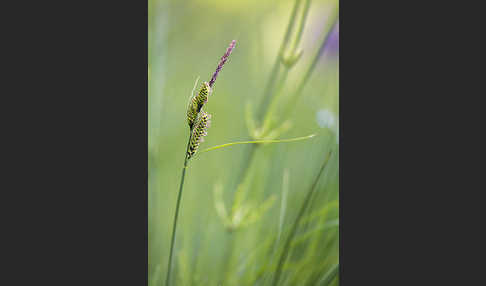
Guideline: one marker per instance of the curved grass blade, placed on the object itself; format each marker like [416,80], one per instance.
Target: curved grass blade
[303,237]
[329,276]
[258,142]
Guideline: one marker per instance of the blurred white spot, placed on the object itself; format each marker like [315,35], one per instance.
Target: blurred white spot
[326,119]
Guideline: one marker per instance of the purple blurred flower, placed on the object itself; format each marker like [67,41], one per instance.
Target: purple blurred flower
[332,45]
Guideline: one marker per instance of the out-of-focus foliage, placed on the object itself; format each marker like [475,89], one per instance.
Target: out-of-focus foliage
[231,232]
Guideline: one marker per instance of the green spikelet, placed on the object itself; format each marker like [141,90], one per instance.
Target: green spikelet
[196,103]
[203,94]
[201,126]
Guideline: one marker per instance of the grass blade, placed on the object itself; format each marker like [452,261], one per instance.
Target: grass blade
[329,276]
[258,142]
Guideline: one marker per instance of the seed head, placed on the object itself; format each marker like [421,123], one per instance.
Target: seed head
[197,119]
[197,102]
[201,126]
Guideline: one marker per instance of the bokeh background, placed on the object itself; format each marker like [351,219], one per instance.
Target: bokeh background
[186,41]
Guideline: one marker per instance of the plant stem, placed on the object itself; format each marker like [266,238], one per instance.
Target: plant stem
[174,226]
[291,103]
[276,66]
[286,248]
[267,94]
[270,86]
[273,78]
[301,26]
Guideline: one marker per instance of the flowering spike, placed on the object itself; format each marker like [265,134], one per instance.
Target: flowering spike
[199,131]
[197,102]
[203,94]
[223,60]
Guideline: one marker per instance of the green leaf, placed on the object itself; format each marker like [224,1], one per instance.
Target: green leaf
[258,142]
[329,276]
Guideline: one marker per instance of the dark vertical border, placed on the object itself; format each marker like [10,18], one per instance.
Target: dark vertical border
[364,253]
[77,183]
[397,73]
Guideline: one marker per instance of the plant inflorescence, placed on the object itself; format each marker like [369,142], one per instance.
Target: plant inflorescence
[198,121]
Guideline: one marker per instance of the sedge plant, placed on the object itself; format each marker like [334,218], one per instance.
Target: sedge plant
[199,121]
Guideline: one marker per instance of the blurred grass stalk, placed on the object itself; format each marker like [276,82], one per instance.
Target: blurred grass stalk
[266,99]
[266,116]
[302,210]
[286,59]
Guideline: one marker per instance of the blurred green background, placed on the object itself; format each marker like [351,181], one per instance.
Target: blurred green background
[186,41]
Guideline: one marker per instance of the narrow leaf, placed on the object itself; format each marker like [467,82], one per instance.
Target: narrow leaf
[257,142]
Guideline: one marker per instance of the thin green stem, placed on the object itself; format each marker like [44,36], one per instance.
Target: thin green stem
[301,26]
[267,95]
[268,91]
[174,226]
[276,98]
[271,82]
[286,248]
[276,66]
[320,51]
[293,100]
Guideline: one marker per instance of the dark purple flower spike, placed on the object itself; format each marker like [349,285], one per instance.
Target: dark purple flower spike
[221,62]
